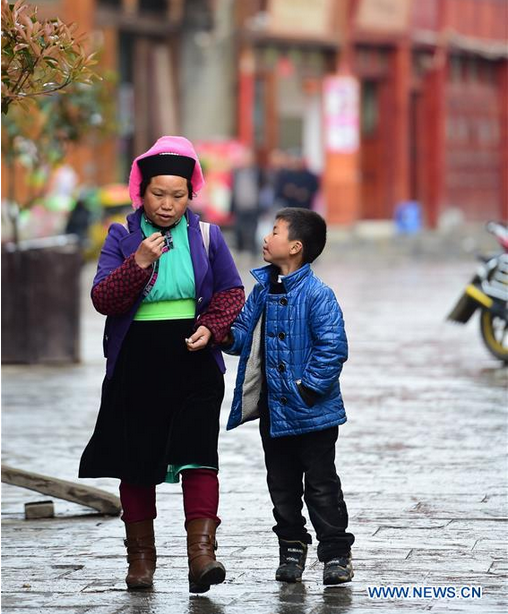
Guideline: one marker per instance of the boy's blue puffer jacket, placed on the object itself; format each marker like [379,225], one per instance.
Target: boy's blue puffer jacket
[304,340]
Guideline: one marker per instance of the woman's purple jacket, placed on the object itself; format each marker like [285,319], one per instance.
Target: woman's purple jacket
[213,272]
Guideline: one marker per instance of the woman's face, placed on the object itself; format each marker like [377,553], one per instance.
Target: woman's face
[165,199]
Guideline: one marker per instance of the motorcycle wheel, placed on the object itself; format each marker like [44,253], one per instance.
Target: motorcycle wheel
[494,332]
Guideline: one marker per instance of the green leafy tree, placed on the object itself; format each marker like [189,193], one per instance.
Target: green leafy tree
[39,57]
[50,100]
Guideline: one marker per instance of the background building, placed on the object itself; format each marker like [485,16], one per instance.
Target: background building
[419,110]
[433,104]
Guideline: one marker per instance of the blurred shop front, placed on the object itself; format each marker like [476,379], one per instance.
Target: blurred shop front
[286,50]
[392,101]
[388,101]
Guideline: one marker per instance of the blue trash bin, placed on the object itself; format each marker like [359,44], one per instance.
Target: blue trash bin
[408,217]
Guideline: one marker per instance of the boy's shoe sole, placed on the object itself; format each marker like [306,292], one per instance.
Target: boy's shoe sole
[289,579]
[339,580]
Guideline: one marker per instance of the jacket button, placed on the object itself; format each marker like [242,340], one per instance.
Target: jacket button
[283,400]
[283,301]
[200,299]
[282,336]
[281,368]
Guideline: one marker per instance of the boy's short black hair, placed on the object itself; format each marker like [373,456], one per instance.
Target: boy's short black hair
[305,226]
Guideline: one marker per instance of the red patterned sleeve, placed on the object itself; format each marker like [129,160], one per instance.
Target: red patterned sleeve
[222,312]
[117,293]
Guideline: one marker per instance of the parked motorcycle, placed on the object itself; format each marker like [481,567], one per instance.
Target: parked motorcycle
[488,292]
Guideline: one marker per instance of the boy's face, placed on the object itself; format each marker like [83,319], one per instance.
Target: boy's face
[277,248]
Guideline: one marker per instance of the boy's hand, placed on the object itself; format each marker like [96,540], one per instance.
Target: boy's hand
[310,397]
[199,340]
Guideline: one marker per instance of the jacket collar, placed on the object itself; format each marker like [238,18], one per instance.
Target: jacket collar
[134,220]
[262,275]
[130,242]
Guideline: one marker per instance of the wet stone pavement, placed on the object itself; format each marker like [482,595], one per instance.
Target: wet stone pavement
[422,461]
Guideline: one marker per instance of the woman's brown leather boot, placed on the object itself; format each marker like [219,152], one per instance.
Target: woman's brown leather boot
[204,569]
[141,554]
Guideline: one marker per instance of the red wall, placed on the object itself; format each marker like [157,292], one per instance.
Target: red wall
[473,174]
[486,19]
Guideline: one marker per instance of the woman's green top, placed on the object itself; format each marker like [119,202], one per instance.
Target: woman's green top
[173,296]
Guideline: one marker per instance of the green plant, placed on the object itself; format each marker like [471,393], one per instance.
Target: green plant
[50,99]
[36,136]
[39,57]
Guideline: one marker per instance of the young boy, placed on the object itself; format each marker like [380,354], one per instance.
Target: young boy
[291,341]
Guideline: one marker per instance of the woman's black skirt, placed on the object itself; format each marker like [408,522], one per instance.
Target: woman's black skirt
[160,407]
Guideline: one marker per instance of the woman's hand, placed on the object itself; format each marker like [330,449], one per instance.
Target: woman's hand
[199,339]
[150,250]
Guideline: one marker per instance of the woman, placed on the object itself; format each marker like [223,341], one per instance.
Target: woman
[170,289]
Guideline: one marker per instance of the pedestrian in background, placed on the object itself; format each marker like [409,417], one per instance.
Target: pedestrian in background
[277,160]
[170,289]
[292,345]
[245,203]
[78,222]
[297,186]
[268,203]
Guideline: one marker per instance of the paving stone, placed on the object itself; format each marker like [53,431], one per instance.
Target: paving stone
[422,461]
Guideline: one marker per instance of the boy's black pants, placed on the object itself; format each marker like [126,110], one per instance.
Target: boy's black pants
[304,465]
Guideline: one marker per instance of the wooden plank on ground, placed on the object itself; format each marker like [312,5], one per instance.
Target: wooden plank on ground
[99,500]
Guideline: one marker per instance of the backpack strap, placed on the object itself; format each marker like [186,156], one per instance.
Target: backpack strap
[205,233]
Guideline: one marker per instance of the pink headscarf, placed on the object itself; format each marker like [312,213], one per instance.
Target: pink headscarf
[166,144]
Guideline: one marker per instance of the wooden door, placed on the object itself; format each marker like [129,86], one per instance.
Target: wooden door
[372,162]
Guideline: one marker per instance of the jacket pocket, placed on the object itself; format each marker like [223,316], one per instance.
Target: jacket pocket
[309,397]
[300,402]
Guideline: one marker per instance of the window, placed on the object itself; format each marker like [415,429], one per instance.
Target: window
[456,69]
[152,6]
[369,108]
[473,70]
[111,3]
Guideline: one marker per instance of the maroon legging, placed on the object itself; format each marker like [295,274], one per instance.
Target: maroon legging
[200,497]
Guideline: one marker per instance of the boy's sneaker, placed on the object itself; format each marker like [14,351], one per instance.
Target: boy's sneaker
[338,570]
[292,561]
